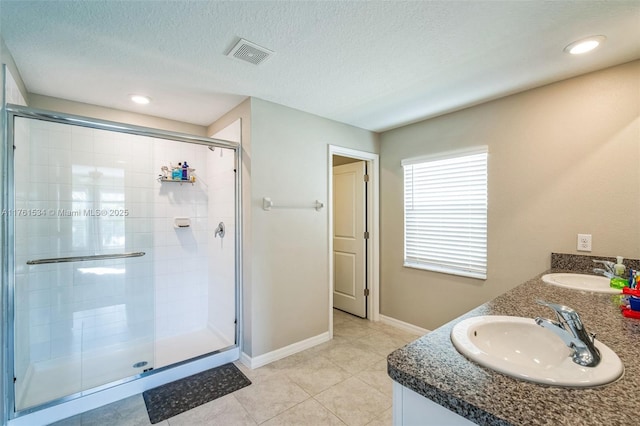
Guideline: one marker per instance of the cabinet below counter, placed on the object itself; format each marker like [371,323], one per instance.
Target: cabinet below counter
[411,408]
[432,369]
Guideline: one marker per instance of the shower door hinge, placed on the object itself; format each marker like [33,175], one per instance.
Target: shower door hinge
[366,178]
[366,292]
[366,235]
[15,380]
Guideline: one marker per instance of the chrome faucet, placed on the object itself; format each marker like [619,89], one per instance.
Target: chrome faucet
[608,271]
[570,329]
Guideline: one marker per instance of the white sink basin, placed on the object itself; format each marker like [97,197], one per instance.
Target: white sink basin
[593,283]
[520,348]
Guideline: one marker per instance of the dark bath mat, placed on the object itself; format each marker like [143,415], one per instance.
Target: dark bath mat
[176,397]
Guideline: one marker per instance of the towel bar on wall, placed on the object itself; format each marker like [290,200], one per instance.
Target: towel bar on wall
[267,205]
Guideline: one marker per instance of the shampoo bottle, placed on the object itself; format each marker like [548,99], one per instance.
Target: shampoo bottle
[185,171]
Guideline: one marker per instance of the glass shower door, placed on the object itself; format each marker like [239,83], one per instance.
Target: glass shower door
[83,281]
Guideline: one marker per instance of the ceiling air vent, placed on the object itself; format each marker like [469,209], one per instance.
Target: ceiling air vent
[250,52]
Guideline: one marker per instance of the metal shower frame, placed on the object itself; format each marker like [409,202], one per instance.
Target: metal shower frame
[7,202]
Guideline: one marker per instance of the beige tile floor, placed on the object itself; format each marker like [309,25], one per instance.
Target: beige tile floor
[340,382]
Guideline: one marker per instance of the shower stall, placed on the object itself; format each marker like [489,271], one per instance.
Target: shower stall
[116,270]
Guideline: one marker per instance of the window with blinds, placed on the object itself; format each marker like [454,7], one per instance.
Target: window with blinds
[445,213]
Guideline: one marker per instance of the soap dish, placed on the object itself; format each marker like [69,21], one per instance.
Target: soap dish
[181,222]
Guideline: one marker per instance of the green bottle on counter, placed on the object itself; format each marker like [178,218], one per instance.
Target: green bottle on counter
[618,283]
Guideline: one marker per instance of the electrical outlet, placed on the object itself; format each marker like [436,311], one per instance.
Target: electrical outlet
[584,242]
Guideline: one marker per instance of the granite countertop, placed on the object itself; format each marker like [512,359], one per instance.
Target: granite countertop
[432,367]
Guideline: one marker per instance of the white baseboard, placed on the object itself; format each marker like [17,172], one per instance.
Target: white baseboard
[403,325]
[245,359]
[294,348]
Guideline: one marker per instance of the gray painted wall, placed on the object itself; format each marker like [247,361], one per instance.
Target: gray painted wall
[563,160]
[7,58]
[289,163]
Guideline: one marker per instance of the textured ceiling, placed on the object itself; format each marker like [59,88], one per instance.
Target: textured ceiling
[372,64]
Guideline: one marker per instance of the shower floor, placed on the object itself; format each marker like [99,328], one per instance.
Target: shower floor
[60,377]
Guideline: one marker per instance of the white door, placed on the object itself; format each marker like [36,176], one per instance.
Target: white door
[349,243]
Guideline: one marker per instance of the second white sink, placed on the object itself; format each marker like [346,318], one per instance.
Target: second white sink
[593,283]
[520,348]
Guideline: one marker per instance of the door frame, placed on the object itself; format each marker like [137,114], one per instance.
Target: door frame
[373,212]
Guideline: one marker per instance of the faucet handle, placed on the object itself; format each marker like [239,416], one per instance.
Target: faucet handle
[572,332]
[563,312]
[609,266]
[556,307]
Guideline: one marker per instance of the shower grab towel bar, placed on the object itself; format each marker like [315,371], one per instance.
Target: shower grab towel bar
[85,258]
[267,205]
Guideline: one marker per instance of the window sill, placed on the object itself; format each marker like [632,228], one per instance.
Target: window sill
[445,270]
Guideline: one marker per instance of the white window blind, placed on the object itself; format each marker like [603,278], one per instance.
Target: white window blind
[445,212]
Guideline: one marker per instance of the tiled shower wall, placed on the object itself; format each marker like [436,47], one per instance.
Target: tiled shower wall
[181,253]
[221,257]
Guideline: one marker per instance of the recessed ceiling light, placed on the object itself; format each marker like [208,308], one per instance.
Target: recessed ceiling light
[585,45]
[140,99]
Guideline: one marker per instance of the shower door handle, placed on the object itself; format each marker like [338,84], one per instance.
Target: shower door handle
[85,258]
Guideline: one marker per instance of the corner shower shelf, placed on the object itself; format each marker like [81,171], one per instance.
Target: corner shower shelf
[176,181]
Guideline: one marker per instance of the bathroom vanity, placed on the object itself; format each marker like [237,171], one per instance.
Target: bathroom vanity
[435,384]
